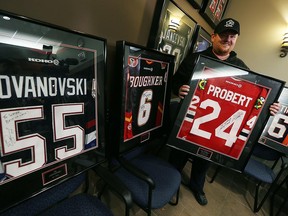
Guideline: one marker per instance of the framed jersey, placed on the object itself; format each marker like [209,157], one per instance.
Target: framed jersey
[51,105]
[144,93]
[202,41]
[172,30]
[197,4]
[222,116]
[213,11]
[275,133]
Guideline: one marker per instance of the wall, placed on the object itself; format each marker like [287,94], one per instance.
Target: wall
[263,23]
[184,5]
[113,19]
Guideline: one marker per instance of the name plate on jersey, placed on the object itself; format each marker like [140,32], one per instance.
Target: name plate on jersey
[223,113]
[275,134]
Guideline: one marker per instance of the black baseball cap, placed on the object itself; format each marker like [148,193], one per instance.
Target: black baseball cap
[227,24]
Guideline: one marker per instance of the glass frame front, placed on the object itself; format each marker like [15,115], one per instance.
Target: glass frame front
[213,11]
[52,105]
[144,91]
[172,30]
[275,134]
[213,123]
[202,40]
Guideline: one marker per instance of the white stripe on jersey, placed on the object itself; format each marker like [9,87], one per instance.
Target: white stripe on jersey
[245,133]
[189,116]
[90,137]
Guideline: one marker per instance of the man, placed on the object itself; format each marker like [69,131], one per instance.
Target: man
[223,40]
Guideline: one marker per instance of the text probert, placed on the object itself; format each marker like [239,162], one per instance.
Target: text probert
[229,95]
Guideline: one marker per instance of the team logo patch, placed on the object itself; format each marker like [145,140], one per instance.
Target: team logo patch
[202,84]
[259,102]
[132,61]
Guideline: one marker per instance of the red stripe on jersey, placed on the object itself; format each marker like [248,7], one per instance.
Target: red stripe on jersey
[159,114]
[90,124]
[128,133]
[285,141]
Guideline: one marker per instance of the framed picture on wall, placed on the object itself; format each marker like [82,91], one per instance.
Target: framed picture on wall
[221,117]
[171,31]
[202,40]
[197,4]
[213,11]
[275,134]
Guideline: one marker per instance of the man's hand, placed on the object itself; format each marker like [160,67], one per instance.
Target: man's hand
[274,108]
[183,91]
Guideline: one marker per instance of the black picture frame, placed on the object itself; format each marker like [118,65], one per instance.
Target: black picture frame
[172,30]
[52,107]
[197,4]
[202,40]
[214,126]
[151,100]
[213,11]
[275,134]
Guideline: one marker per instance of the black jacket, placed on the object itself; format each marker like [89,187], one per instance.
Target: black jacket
[184,72]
